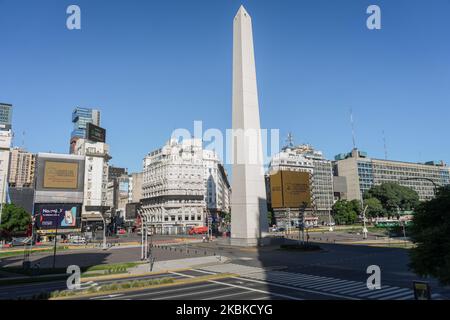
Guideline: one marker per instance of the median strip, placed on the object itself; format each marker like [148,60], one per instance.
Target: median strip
[133,286]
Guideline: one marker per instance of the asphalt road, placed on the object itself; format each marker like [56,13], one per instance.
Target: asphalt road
[343,268]
[233,288]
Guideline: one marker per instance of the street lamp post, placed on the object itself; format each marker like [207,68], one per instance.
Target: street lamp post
[435,186]
[364,223]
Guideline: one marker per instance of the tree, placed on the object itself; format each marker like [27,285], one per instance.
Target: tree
[394,197]
[430,231]
[270,218]
[15,220]
[346,212]
[374,208]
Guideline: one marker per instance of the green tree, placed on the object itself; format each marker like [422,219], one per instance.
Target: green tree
[270,218]
[15,220]
[346,212]
[430,231]
[374,208]
[394,197]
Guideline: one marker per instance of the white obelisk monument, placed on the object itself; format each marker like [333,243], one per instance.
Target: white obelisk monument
[248,200]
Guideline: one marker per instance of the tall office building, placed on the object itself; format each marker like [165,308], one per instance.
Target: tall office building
[21,168]
[80,118]
[5,116]
[362,172]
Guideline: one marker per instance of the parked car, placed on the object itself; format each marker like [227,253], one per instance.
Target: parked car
[77,239]
[22,241]
[198,230]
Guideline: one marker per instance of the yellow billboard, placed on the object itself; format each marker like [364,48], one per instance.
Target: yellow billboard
[290,189]
[61,175]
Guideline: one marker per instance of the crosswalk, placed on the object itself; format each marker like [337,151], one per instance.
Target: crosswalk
[326,285]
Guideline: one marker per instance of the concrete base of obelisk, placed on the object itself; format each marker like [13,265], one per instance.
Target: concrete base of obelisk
[265,240]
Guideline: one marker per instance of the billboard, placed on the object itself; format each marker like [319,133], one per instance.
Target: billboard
[290,189]
[95,133]
[60,175]
[57,216]
[59,178]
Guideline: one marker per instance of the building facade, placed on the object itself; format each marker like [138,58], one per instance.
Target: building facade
[304,158]
[183,186]
[96,178]
[135,187]
[173,187]
[21,168]
[5,146]
[217,186]
[362,172]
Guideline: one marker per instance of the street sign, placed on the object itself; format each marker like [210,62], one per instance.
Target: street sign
[422,290]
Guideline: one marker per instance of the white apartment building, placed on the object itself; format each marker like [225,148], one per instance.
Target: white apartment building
[95,178]
[173,187]
[217,187]
[181,184]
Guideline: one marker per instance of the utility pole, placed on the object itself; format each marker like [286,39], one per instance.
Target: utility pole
[54,248]
[142,234]
[364,223]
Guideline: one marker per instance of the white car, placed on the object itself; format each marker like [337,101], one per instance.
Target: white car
[77,240]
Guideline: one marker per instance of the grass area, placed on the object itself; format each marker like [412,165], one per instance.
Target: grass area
[113,266]
[131,286]
[49,274]
[115,286]
[16,253]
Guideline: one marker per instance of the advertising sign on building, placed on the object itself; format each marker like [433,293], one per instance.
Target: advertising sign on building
[61,175]
[290,189]
[57,216]
[95,133]
[59,178]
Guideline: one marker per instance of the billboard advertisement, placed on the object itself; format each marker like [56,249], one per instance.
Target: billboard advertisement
[59,178]
[57,216]
[60,175]
[95,133]
[290,189]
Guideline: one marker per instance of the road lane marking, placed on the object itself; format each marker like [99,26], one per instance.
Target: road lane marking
[191,293]
[170,290]
[256,290]
[229,295]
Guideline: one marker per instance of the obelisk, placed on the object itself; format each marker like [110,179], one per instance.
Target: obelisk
[248,199]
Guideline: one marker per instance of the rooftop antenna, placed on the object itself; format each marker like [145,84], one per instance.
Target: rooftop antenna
[353,128]
[290,140]
[385,146]
[23,139]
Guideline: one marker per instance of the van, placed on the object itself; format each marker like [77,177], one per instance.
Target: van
[198,230]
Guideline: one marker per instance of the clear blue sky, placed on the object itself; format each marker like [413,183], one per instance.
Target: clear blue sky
[153,66]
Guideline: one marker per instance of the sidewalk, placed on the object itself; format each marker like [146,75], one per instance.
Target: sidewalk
[178,264]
